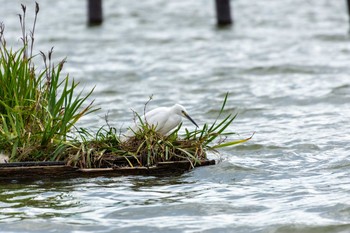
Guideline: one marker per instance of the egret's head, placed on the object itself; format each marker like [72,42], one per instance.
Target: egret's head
[180,110]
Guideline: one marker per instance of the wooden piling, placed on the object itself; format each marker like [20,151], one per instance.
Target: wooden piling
[348,3]
[95,16]
[223,12]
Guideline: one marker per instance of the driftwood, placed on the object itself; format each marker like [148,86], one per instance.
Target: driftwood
[31,164]
[58,170]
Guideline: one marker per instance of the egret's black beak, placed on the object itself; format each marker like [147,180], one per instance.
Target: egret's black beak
[188,117]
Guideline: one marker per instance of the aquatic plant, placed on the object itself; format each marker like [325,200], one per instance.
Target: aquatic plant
[37,108]
[147,147]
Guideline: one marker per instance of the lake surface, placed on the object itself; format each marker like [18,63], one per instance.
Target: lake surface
[286,65]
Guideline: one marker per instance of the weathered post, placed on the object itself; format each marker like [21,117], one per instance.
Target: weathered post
[348,2]
[223,12]
[95,12]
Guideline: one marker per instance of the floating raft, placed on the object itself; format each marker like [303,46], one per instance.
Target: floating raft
[59,170]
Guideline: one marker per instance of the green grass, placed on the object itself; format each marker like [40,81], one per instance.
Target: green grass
[148,147]
[39,109]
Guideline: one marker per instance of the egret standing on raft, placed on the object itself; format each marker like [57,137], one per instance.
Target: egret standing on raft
[164,119]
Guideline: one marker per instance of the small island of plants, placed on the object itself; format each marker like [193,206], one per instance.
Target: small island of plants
[39,110]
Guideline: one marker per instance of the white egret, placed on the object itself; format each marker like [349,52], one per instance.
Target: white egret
[164,119]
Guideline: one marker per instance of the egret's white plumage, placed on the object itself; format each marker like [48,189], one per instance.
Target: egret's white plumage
[164,119]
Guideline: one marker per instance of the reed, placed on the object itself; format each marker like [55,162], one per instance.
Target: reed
[37,108]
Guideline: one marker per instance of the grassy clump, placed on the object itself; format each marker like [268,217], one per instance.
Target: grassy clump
[148,147]
[39,108]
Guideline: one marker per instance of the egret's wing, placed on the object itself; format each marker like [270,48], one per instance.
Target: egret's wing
[164,122]
[157,117]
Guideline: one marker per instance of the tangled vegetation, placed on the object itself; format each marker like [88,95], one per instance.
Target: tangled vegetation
[148,147]
[38,110]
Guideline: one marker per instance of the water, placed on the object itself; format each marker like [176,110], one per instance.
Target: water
[286,66]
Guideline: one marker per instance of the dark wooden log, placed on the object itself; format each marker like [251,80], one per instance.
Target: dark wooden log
[64,172]
[95,12]
[161,169]
[223,12]
[36,172]
[31,164]
[348,4]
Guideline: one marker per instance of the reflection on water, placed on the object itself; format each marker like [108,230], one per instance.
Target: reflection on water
[286,66]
